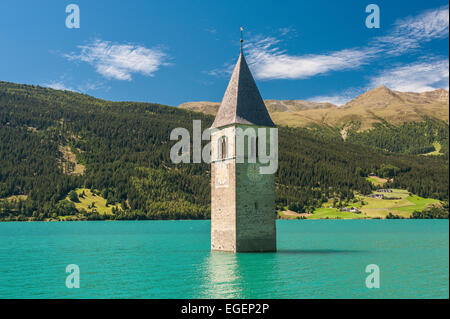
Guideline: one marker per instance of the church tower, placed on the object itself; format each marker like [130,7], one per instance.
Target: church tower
[242,199]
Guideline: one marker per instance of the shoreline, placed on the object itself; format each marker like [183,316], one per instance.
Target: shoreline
[135,220]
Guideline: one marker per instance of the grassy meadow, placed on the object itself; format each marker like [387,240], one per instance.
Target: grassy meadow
[377,181]
[404,205]
[437,149]
[92,202]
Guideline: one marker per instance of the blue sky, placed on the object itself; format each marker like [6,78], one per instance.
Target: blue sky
[171,52]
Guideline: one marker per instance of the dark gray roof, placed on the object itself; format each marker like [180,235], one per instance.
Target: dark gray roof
[242,103]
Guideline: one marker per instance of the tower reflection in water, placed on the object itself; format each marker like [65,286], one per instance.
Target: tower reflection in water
[221,277]
[241,275]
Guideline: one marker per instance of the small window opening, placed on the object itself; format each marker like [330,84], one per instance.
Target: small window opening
[223,148]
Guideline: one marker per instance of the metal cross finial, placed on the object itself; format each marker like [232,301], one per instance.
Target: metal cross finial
[242,36]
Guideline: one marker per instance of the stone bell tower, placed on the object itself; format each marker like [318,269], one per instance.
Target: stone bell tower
[242,199]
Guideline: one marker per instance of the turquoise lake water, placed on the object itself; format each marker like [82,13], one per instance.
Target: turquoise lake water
[171,259]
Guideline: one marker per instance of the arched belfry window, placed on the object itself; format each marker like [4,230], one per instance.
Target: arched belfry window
[223,147]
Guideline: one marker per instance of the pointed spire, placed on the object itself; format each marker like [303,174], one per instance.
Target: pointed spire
[242,103]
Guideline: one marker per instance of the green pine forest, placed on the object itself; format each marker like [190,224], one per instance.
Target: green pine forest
[124,148]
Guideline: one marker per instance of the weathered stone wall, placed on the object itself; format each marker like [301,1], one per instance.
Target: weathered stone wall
[229,132]
[255,210]
[223,197]
[223,212]
[243,208]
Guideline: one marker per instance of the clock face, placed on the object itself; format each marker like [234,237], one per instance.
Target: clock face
[221,174]
[253,172]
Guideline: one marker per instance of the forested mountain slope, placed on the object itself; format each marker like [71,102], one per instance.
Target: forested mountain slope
[405,122]
[125,150]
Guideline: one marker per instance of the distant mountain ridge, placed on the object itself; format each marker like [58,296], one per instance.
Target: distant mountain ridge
[374,106]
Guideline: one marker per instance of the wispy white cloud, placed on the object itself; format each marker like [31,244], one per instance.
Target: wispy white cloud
[211,30]
[84,87]
[410,32]
[268,61]
[58,86]
[292,32]
[225,70]
[120,61]
[340,98]
[93,86]
[420,76]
